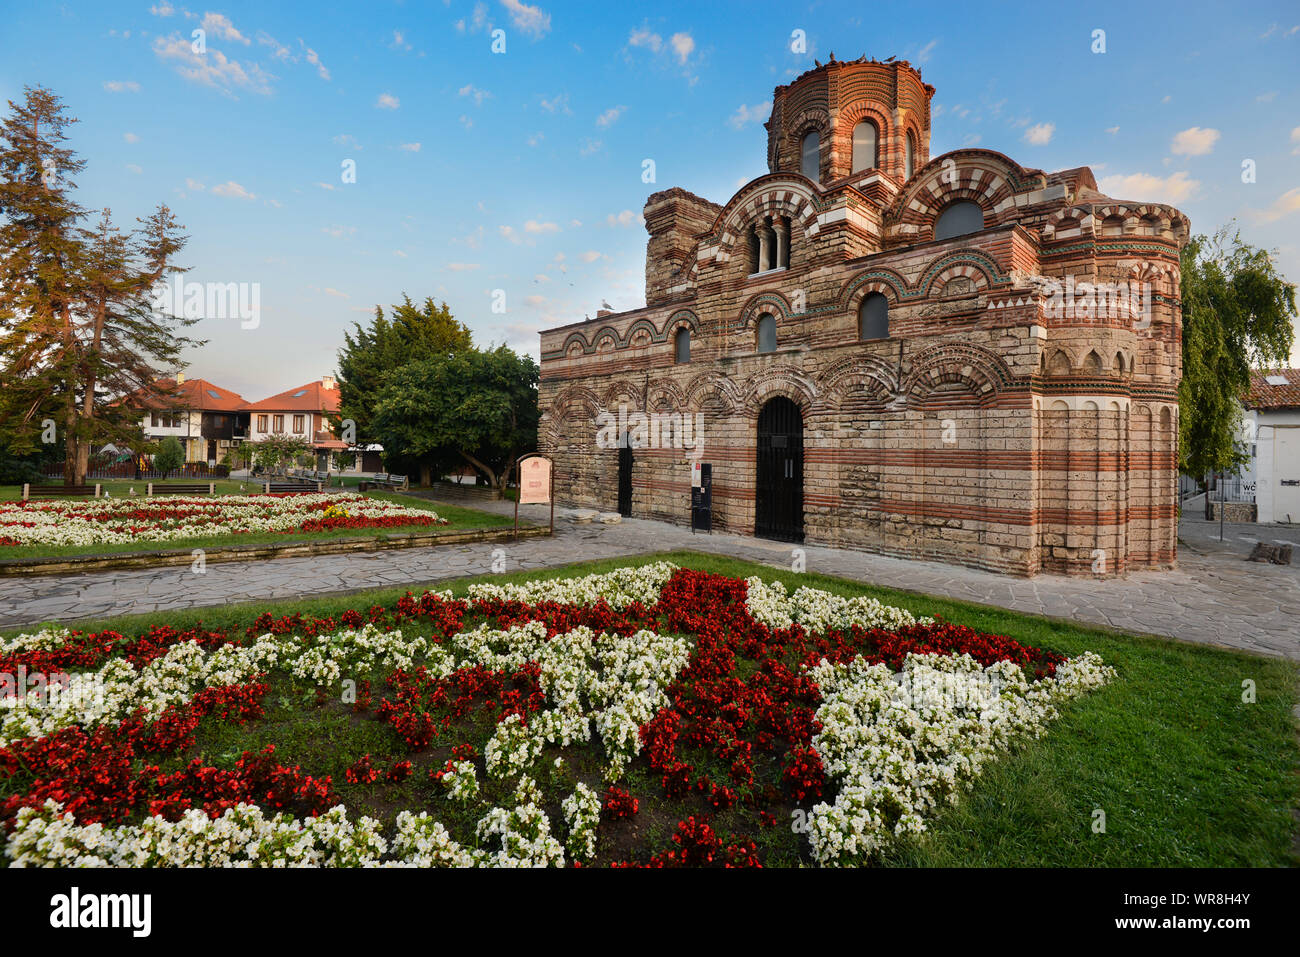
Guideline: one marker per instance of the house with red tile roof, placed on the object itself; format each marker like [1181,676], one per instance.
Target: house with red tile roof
[301,412]
[206,418]
[1273,429]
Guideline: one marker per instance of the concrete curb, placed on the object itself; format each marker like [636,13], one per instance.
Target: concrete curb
[18,567]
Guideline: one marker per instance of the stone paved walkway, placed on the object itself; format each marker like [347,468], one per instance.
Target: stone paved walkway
[1215,596]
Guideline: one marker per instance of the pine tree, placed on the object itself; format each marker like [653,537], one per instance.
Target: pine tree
[78,324]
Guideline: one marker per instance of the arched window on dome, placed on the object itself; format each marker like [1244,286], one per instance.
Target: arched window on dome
[810,156]
[909,156]
[866,140]
[682,346]
[766,334]
[873,317]
[958,219]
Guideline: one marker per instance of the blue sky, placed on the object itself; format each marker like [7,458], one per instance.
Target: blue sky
[522,171]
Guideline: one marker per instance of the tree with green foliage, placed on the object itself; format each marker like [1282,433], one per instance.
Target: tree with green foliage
[280,449]
[1237,315]
[170,455]
[408,333]
[78,323]
[477,406]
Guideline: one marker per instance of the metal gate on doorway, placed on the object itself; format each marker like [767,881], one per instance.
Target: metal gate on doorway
[778,489]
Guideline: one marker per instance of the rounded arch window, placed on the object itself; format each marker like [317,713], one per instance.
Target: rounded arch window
[866,140]
[873,317]
[766,334]
[810,156]
[958,219]
[682,346]
[909,156]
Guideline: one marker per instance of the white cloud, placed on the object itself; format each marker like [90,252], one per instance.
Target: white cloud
[1143,186]
[610,116]
[530,20]
[232,190]
[163,9]
[122,86]
[683,46]
[536,138]
[220,25]
[399,253]
[399,41]
[134,168]
[645,37]
[590,256]
[1284,205]
[1112,130]
[508,232]
[1194,142]
[213,68]
[131,137]
[590,146]
[745,115]
[474,93]
[557,104]
[348,140]
[410,147]
[314,59]
[1040,134]
[327,186]
[387,101]
[337,231]
[1295,138]
[533,226]
[923,55]
[331,291]
[193,184]
[462,267]
[624,219]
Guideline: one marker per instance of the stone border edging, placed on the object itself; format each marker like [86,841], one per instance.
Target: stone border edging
[17,567]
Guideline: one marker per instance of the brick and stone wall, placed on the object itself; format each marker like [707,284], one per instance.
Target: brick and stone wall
[996,425]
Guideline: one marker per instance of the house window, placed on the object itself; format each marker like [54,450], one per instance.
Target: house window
[682,342]
[958,219]
[767,334]
[909,156]
[278,423]
[298,424]
[261,423]
[873,317]
[865,139]
[810,159]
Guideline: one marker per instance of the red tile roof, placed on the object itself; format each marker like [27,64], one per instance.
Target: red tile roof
[1267,395]
[197,394]
[312,397]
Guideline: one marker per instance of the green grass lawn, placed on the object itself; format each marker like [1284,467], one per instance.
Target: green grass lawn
[1185,772]
[457,517]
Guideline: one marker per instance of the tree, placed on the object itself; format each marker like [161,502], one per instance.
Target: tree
[170,455]
[1237,314]
[276,450]
[410,334]
[478,407]
[78,327]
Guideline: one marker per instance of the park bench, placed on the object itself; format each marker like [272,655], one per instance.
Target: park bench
[272,488]
[181,488]
[60,491]
[385,480]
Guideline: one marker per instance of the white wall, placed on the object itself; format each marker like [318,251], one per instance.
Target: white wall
[1277,464]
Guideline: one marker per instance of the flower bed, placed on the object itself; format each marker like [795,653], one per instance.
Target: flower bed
[125,520]
[526,725]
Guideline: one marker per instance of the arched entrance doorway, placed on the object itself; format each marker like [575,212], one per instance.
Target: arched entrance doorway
[625,479]
[778,489]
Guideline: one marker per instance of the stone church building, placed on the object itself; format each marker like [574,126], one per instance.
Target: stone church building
[954,358]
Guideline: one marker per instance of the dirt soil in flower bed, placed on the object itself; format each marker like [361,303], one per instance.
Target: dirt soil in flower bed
[1187,775]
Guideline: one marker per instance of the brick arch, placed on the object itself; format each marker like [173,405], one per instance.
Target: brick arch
[620,387]
[984,176]
[971,263]
[778,380]
[561,413]
[711,384]
[606,332]
[850,117]
[1060,362]
[666,391]
[869,373]
[785,194]
[761,303]
[886,281]
[580,339]
[682,318]
[983,373]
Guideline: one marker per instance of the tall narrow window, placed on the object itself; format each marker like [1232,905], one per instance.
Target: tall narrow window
[865,140]
[683,344]
[261,423]
[767,334]
[278,423]
[299,423]
[873,317]
[909,156]
[810,156]
[958,219]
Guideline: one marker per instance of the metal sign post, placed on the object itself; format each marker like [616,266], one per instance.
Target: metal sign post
[535,486]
